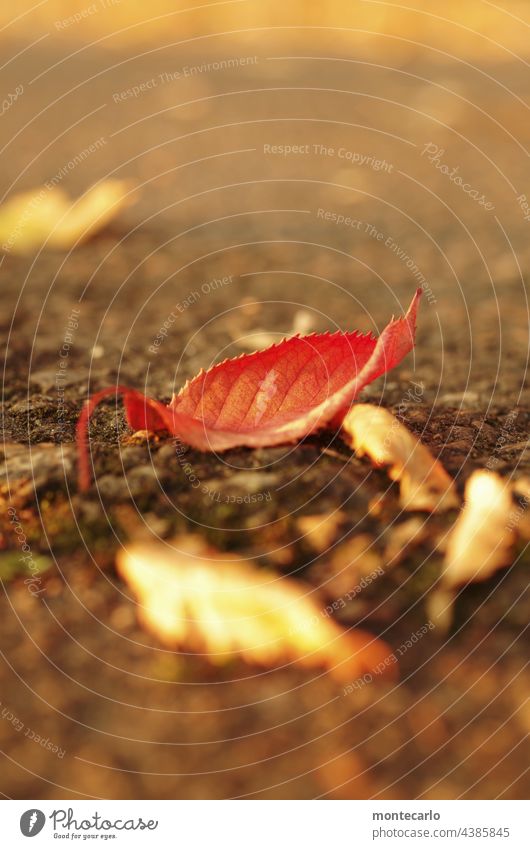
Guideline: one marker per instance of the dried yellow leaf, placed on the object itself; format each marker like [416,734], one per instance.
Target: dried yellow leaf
[196,598]
[424,483]
[47,216]
[481,540]
[479,544]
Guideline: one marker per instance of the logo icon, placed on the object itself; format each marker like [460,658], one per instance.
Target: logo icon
[32,822]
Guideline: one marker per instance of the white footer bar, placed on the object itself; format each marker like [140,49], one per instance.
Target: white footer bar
[265,824]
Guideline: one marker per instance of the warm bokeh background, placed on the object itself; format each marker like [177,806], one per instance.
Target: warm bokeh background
[472,29]
[380,81]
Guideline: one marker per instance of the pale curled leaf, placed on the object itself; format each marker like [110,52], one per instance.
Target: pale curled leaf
[424,483]
[482,538]
[195,598]
[479,543]
[48,217]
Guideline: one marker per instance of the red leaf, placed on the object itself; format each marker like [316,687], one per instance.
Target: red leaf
[278,395]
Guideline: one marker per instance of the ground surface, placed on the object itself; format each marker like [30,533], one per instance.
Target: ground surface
[130,719]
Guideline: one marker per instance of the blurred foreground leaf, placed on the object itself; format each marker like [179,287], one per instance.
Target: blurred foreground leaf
[195,598]
[47,217]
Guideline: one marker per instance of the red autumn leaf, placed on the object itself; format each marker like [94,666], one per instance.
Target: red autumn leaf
[278,395]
